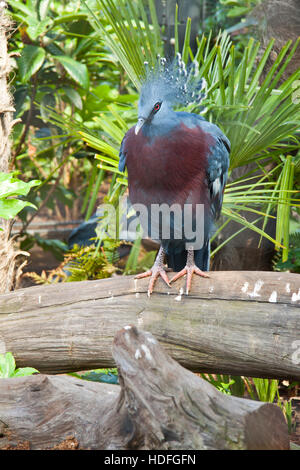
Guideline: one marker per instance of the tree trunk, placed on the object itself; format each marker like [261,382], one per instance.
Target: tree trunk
[10,262]
[240,323]
[159,405]
[279,19]
[6,107]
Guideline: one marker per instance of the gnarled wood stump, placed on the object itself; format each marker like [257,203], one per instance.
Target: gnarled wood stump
[159,405]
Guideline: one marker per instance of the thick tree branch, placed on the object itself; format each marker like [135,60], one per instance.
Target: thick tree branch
[238,322]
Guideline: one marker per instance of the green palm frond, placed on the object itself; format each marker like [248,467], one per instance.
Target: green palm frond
[256,111]
[128,33]
[255,114]
[261,195]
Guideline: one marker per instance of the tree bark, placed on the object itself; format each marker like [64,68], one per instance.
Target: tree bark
[241,323]
[11,263]
[6,107]
[279,19]
[159,405]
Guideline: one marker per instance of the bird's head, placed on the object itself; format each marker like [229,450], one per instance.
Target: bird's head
[153,109]
[165,86]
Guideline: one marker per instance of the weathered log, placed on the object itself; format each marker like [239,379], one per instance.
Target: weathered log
[160,405]
[242,323]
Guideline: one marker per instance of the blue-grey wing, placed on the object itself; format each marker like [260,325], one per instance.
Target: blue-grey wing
[217,172]
[122,155]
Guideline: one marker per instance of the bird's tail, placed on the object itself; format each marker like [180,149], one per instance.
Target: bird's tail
[177,261]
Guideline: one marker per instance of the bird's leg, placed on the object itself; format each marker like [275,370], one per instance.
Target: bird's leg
[156,271]
[189,270]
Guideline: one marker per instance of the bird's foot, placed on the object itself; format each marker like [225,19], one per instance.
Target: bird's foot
[156,271]
[189,270]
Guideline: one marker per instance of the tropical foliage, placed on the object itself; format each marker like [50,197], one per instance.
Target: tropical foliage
[59,63]
[257,114]
[266,390]
[8,367]
[11,188]
[76,80]
[82,263]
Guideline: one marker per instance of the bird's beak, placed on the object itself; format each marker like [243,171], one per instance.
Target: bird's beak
[140,123]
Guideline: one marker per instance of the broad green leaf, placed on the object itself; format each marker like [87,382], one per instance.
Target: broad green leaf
[48,100]
[37,27]
[23,371]
[7,365]
[9,208]
[31,60]
[75,69]
[21,97]
[238,11]
[73,96]
[54,49]
[70,17]
[105,91]
[16,4]
[43,8]
[10,186]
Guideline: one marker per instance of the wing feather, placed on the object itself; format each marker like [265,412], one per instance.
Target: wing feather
[217,172]
[122,155]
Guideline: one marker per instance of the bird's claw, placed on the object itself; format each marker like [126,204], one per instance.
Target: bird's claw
[155,272]
[189,270]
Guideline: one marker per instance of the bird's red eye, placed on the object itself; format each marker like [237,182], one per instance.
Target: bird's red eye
[156,106]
